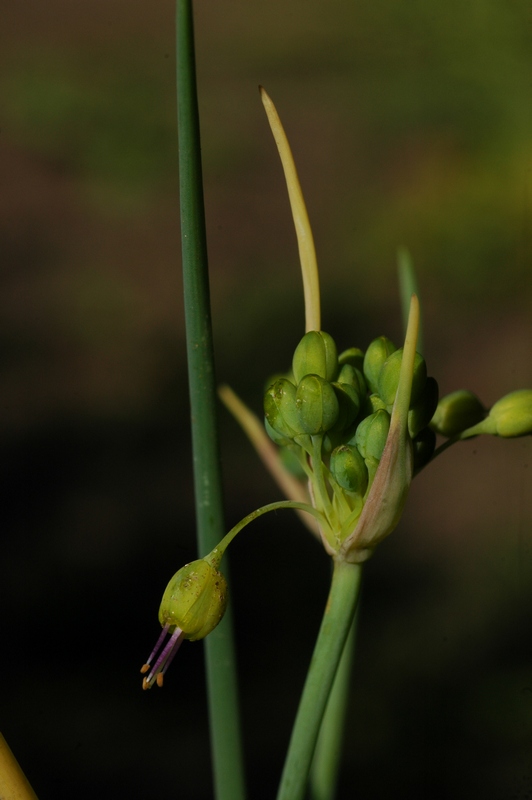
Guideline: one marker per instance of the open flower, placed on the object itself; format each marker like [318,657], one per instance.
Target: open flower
[193,604]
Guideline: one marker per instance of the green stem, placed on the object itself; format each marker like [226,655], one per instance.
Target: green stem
[219,648]
[439,450]
[326,762]
[216,555]
[328,651]
[322,494]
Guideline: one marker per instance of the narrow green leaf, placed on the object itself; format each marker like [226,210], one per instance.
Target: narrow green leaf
[219,649]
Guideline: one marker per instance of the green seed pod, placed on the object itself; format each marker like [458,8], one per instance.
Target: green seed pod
[389,378]
[354,357]
[423,447]
[194,600]
[372,433]
[315,354]
[348,469]
[456,412]
[280,408]
[512,414]
[376,354]
[422,412]
[317,405]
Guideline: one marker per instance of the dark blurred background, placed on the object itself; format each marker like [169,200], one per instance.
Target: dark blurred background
[411,123]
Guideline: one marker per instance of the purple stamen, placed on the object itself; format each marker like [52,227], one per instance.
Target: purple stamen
[171,656]
[165,658]
[160,640]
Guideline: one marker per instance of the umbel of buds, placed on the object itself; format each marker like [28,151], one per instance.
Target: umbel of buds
[359,426]
[352,423]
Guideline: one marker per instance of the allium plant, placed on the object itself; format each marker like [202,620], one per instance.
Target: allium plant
[344,433]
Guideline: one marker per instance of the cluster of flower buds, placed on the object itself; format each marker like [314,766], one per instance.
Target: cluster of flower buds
[332,414]
[332,419]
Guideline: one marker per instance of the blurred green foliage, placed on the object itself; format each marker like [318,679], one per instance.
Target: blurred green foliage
[87,122]
[411,124]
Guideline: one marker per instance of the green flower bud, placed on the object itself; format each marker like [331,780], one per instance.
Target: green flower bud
[317,405]
[354,357]
[375,403]
[457,411]
[510,416]
[291,463]
[280,408]
[389,378]
[422,412]
[276,377]
[348,410]
[423,446]
[348,404]
[348,469]
[315,354]
[372,433]
[376,354]
[354,377]
[277,438]
[195,600]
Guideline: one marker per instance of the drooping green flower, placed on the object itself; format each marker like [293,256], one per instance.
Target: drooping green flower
[193,604]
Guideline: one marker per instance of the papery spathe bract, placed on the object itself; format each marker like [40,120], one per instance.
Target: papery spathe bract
[384,503]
